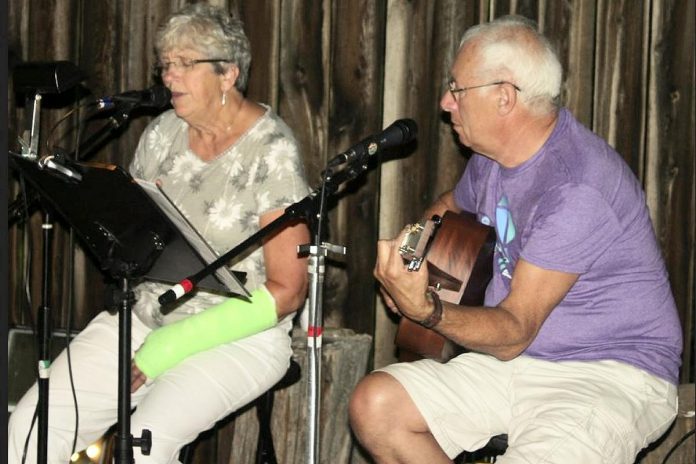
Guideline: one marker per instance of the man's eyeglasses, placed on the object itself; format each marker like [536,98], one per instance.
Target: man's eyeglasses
[454,90]
[184,64]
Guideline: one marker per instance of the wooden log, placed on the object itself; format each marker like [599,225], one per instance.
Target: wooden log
[685,453]
[344,362]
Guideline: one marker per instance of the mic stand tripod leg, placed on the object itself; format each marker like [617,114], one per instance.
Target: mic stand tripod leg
[125,441]
[316,271]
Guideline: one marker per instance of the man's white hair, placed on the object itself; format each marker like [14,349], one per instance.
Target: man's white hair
[511,48]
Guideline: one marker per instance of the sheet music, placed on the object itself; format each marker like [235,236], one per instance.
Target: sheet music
[191,235]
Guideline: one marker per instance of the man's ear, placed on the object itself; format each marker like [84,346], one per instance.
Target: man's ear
[507,98]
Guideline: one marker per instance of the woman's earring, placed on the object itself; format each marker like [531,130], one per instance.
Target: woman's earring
[224,98]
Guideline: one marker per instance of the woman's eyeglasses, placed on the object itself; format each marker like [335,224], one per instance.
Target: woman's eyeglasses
[184,64]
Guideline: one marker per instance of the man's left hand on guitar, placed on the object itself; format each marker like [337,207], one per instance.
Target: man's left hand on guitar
[404,291]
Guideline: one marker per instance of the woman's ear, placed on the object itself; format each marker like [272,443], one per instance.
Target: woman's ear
[229,78]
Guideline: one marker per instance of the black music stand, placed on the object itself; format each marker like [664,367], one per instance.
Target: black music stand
[128,234]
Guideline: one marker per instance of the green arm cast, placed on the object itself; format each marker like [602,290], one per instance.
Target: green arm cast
[231,320]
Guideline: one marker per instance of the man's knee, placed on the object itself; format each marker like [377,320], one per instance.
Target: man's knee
[373,397]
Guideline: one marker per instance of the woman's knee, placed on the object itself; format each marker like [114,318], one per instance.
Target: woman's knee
[22,428]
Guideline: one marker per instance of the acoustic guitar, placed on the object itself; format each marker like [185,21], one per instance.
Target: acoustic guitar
[458,251]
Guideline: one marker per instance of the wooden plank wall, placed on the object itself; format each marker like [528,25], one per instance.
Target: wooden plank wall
[340,70]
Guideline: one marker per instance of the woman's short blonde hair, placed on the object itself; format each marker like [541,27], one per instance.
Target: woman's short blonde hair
[211,31]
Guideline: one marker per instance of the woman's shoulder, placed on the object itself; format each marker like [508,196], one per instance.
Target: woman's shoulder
[160,134]
[166,122]
[270,127]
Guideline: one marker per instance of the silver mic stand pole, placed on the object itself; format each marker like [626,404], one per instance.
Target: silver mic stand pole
[317,254]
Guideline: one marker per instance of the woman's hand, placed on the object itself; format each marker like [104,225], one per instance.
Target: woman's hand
[138,379]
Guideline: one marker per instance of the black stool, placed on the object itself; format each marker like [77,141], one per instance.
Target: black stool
[265,451]
[495,447]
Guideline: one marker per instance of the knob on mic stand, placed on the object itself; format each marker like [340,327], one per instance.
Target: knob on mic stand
[59,163]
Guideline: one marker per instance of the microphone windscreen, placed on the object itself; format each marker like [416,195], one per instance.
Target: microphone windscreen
[160,96]
[409,129]
[398,133]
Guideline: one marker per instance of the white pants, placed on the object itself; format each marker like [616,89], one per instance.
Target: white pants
[175,407]
[553,412]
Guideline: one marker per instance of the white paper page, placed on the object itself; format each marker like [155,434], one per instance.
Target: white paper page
[191,235]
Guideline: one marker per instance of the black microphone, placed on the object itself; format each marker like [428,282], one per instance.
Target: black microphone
[400,132]
[157,96]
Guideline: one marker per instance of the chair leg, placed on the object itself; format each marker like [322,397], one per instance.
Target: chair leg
[265,451]
[186,454]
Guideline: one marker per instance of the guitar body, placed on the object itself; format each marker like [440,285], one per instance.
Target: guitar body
[460,261]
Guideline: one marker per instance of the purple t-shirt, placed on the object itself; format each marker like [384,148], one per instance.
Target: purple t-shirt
[576,207]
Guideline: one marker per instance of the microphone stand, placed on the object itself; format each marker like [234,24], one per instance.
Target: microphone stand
[44,323]
[126,440]
[45,320]
[25,202]
[311,208]
[114,122]
[125,250]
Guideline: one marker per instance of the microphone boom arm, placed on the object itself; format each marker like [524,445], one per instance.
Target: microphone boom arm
[307,209]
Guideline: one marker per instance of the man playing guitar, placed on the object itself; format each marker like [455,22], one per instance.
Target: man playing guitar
[575,352]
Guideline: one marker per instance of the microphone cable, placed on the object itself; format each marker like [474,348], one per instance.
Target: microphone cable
[678,444]
[71,294]
[26,442]
[70,300]
[68,332]
[28,248]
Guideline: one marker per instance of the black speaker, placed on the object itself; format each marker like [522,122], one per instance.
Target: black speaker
[22,360]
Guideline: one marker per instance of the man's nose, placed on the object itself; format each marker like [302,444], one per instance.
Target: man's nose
[447,101]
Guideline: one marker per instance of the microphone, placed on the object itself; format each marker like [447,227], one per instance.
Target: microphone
[157,96]
[400,132]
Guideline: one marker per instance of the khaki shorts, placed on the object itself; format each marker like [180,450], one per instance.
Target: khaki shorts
[553,412]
